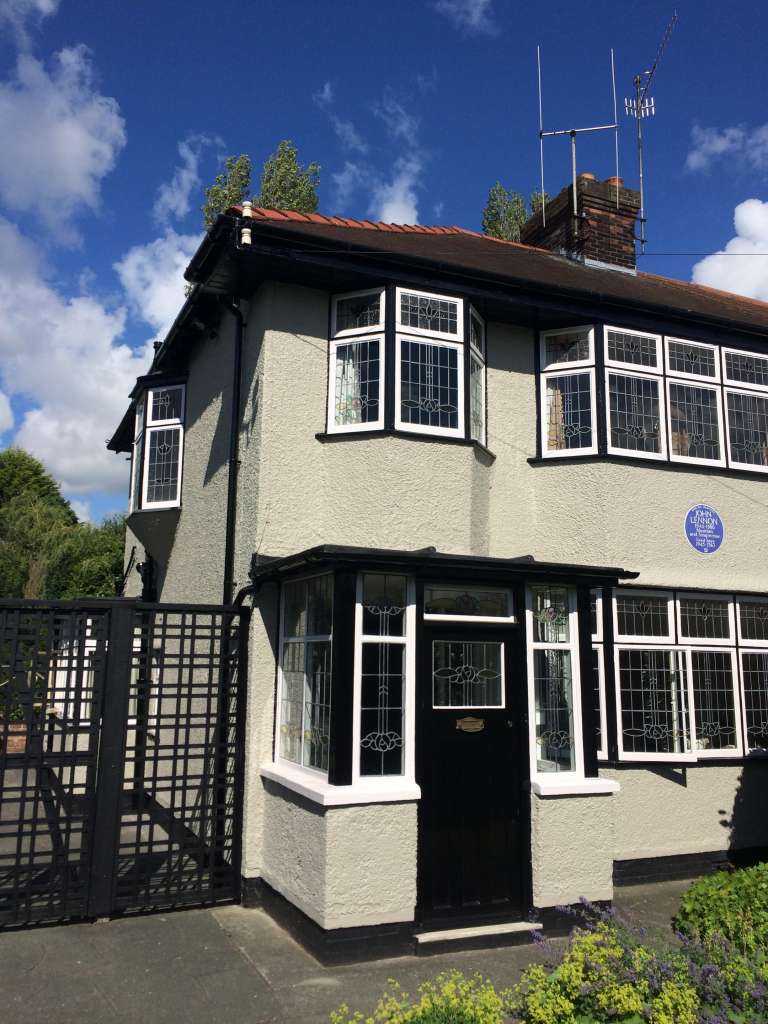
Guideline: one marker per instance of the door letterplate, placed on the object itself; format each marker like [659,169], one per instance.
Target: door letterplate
[470,724]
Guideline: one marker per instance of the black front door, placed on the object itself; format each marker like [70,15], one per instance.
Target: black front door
[471,765]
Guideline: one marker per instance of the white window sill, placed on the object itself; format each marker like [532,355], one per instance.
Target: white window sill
[578,787]
[315,788]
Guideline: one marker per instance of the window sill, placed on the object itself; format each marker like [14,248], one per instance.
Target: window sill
[412,435]
[153,508]
[314,787]
[628,460]
[579,787]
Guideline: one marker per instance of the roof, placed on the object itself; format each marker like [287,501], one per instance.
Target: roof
[474,252]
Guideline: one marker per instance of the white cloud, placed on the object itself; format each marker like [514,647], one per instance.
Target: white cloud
[18,13]
[742,266]
[748,147]
[472,15]
[174,196]
[401,124]
[395,202]
[6,414]
[60,138]
[82,510]
[349,136]
[152,276]
[324,97]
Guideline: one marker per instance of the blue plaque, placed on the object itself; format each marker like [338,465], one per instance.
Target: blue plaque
[704,529]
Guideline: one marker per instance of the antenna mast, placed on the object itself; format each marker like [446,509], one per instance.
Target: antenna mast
[643,106]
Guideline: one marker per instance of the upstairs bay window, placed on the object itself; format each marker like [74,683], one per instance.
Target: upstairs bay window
[158,448]
[568,395]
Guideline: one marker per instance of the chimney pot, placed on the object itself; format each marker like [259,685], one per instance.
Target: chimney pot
[588,176]
[615,181]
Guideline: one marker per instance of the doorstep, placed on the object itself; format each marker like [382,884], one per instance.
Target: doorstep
[485,936]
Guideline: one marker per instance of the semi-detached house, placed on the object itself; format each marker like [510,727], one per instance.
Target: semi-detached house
[500,512]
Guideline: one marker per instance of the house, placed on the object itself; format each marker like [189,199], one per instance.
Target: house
[500,511]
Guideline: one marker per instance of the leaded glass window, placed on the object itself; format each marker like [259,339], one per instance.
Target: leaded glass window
[623,346]
[430,385]
[433,314]
[477,398]
[643,615]
[163,466]
[467,674]
[358,312]
[634,414]
[694,422]
[552,659]
[746,368]
[747,422]
[571,345]
[753,621]
[705,618]
[167,404]
[686,357]
[137,455]
[653,702]
[754,678]
[477,332]
[568,412]
[158,448]
[357,383]
[305,672]
[598,697]
[551,615]
[714,700]
[447,600]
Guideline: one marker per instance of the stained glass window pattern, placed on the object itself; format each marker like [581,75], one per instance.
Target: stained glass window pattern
[477,398]
[163,465]
[653,700]
[550,615]
[305,669]
[572,346]
[477,332]
[384,605]
[568,412]
[358,312]
[634,417]
[747,417]
[467,675]
[746,368]
[693,422]
[627,347]
[357,382]
[643,615]
[137,466]
[753,621]
[598,697]
[754,678]
[429,313]
[553,691]
[703,618]
[595,610]
[472,602]
[429,384]
[687,357]
[714,700]
[166,404]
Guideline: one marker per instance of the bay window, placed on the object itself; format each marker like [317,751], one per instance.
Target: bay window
[158,448]
[568,421]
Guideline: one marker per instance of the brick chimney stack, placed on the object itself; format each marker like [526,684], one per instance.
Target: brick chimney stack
[602,233]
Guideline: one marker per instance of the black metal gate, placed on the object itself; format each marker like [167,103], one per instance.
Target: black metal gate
[121,756]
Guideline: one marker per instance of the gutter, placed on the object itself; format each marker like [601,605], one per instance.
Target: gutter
[234,453]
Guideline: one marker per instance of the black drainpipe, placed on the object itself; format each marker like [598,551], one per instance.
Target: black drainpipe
[234,454]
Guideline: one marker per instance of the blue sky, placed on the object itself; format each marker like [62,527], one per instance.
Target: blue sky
[114,116]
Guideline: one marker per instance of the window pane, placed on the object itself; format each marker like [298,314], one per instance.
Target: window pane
[653,713]
[748,428]
[477,399]
[694,429]
[754,674]
[384,602]
[704,618]
[466,675]
[358,312]
[429,384]
[642,615]
[291,704]
[429,314]
[569,347]
[746,368]
[550,615]
[555,750]
[685,357]
[753,619]
[381,709]
[595,627]
[139,422]
[568,412]
[163,469]
[638,349]
[136,470]
[634,417]
[308,607]
[317,704]
[597,695]
[713,700]
[357,376]
[477,332]
[167,403]
[450,600]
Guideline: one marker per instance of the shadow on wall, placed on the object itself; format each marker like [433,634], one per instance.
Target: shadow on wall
[748,823]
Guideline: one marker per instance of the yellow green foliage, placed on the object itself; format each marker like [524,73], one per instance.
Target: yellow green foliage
[450,999]
[677,1003]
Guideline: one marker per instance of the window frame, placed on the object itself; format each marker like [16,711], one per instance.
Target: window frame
[459,431]
[704,754]
[567,453]
[602,750]
[639,639]
[749,751]
[718,391]
[684,375]
[733,463]
[349,428]
[740,385]
[351,331]
[704,642]
[633,368]
[661,455]
[742,641]
[401,328]
[136,483]
[468,707]
[478,357]
[574,363]
[510,618]
[176,502]
[150,421]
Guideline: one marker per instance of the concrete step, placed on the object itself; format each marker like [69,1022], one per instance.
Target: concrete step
[500,933]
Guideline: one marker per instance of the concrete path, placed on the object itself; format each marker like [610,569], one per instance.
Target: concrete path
[226,966]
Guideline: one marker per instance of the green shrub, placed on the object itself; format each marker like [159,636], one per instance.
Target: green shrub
[450,999]
[733,905]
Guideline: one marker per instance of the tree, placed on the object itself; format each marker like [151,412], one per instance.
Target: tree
[88,562]
[285,185]
[506,212]
[32,529]
[229,188]
[21,472]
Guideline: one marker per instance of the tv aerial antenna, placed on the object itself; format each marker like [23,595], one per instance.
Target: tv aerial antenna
[573,133]
[642,106]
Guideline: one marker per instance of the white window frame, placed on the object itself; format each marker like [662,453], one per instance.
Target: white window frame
[283,762]
[741,385]
[754,393]
[631,453]
[469,707]
[690,459]
[639,640]
[408,642]
[477,356]
[545,367]
[682,374]
[632,368]
[602,750]
[438,340]
[150,421]
[749,751]
[567,453]
[145,503]
[597,637]
[137,483]
[348,428]
[473,314]
[748,642]
[440,617]
[702,754]
[350,331]
[704,642]
[423,331]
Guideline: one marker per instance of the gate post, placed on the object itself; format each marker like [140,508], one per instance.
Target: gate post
[111,760]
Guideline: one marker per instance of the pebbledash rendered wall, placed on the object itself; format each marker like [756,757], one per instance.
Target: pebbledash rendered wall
[296,491]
